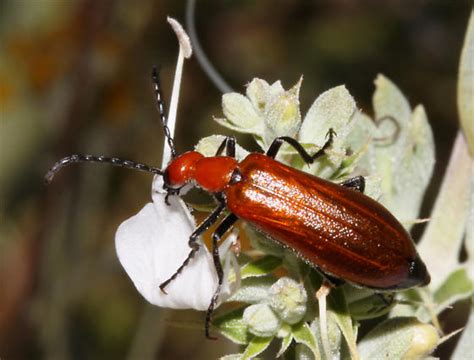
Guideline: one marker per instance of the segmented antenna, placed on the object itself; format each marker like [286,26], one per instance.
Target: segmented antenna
[161,109]
[76,158]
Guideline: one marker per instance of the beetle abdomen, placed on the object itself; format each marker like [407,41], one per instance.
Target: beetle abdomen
[344,233]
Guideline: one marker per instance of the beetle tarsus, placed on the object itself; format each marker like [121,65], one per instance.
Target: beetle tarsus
[224,226]
[356,183]
[309,159]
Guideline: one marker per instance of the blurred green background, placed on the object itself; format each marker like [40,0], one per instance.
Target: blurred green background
[75,78]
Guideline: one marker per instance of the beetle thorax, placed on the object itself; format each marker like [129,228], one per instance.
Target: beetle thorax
[212,174]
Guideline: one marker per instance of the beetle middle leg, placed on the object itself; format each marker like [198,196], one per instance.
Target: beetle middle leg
[211,219]
[224,226]
[356,183]
[309,159]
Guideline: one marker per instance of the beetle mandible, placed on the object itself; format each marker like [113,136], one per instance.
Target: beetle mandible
[333,227]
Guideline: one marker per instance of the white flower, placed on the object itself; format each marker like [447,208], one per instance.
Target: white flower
[153,244]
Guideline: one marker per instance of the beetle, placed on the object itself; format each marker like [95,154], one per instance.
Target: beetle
[335,228]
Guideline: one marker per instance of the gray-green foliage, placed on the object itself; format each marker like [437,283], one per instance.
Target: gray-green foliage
[395,151]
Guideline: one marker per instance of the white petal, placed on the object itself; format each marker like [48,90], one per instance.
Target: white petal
[153,244]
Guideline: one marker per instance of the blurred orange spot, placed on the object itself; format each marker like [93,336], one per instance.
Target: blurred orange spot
[6,91]
[118,103]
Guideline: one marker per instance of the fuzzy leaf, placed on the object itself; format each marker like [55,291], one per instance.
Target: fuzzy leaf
[232,326]
[457,286]
[399,338]
[303,335]
[340,313]
[466,86]
[209,145]
[260,267]
[405,159]
[388,100]
[414,170]
[253,290]
[333,109]
[240,113]
[334,336]
[442,238]
[259,92]
[285,343]
[282,115]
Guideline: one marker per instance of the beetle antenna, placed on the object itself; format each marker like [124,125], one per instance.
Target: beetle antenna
[161,109]
[76,158]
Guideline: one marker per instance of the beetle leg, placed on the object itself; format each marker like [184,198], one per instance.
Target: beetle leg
[229,145]
[224,226]
[356,183]
[309,159]
[211,219]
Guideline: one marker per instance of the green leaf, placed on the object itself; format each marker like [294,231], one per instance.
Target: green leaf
[457,286]
[231,357]
[260,267]
[339,312]
[466,86]
[443,236]
[399,338]
[285,343]
[256,346]
[232,326]
[303,335]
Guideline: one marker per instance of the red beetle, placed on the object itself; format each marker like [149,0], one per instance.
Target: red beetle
[333,227]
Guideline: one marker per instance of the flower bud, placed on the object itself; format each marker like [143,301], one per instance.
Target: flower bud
[261,320]
[288,300]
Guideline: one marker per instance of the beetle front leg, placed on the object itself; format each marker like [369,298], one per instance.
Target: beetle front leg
[211,219]
[356,183]
[224,226]
[229,145]
[309,159]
